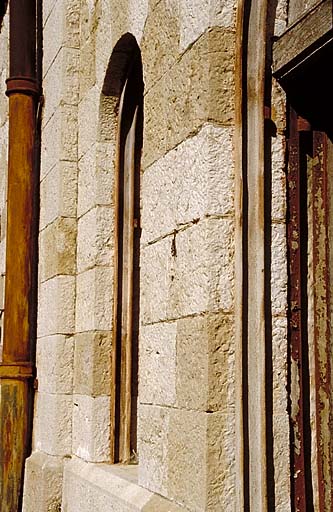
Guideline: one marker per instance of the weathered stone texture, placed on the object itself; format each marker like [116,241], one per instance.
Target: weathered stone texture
[59,291]
[189,272]
[53,424]
[43,483]
[92,363]
[58,193]
[197,88]
[57,243]
[94,295]
[91,428]
[279,277]
[190,182]
[54,361]
[95,238]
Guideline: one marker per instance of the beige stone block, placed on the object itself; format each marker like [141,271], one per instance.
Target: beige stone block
[198,88]
[58,192]
[108,488]
[57,248]
[189,273]
[279,107]
[54,361]
[59,138]
[205,368]
[88,64]
[95,242]
[190,182]
[92,363]
[62,28]
[88,118]
[197,16]
[91,428]
[61,82]
[187,450]
[94,300]
[128,17]
[58,292]
[96,177]
[281,447]
[157,379]
[53,424]
[221,476]
[42,483]
[279,277]
[160,42]
[279,204]
[280,366]
[153,447]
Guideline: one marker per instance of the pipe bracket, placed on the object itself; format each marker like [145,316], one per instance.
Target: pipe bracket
[16,371]
[22,85]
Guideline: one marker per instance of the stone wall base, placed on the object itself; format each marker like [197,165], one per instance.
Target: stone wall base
[43,483]
[104,488]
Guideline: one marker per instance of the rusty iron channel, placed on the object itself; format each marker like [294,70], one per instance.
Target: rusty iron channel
[17,367]
[297,311]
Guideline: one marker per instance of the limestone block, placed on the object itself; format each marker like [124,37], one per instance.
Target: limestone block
[59,138]
[281,436]
[280,367]
[62,28]
[60,293]
[58,193]
[94,300]
[205,369]
[48,6]
[130,16]
[189,273]
[53,424]
[197,16]
[160,42]
[186,451]
[153,447]
[107,488]
[197,88]
[157,274]
[91,428]
[54,361]
[57,248]
[87,64]
[279,277]
[279,107]
[92,363]
[96,177]
[42,483]
[221,478]
[157,363]
[190,182]
[88,120]
[95,238]
[61,82]
[279,205]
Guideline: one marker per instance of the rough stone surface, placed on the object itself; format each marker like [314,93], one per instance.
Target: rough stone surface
[54,361]
[43,483]
[59,291]
[190,182]
[189,272]
[92,363]
[94,300]
[57,247]
[54,435]
[91,428]
[279,276]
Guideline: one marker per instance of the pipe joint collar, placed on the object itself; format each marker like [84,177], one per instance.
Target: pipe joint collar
[22,85]
[17,371]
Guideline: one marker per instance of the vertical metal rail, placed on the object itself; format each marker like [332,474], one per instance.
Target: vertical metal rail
[321,334]
[297,313]
[17,367]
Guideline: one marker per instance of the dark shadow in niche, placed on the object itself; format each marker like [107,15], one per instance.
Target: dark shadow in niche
[124,81]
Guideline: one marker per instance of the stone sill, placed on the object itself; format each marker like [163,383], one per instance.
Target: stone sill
[108,488]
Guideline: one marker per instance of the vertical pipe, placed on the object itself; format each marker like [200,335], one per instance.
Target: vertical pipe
[17,367]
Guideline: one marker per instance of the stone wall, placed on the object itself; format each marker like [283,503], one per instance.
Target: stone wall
[186,411]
